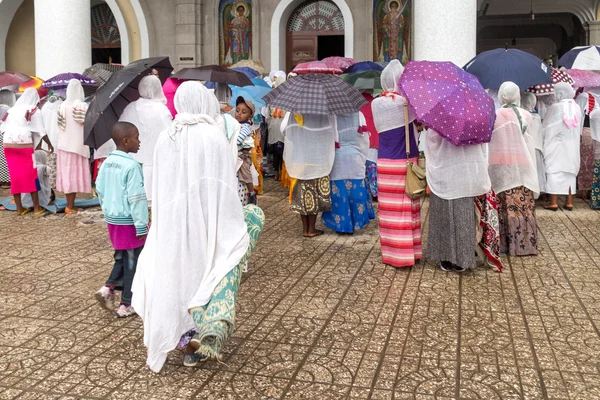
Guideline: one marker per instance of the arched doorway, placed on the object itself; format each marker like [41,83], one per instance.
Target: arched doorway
[315,30]
[106,39]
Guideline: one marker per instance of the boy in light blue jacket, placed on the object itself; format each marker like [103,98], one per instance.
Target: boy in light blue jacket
[120,186]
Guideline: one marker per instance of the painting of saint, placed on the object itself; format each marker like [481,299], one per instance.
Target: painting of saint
[235,33]
[391,19]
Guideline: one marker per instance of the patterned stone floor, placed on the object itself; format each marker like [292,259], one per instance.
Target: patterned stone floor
[317,319]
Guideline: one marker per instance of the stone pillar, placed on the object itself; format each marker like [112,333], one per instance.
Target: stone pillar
[187,34]
[63,37]
[445,30]
[594,33]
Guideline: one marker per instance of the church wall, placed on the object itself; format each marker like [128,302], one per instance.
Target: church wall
[162,14]
[20,41]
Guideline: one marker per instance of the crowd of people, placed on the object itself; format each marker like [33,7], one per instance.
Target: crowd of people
[178,189]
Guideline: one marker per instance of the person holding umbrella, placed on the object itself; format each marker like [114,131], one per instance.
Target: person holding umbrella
[513,174]
[72,161]
[399,215]
[151,116]
[563,125]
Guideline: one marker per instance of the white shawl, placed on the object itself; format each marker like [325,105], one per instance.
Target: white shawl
[562,138]
[198,232]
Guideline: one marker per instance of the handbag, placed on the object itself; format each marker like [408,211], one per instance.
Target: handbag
[415,175]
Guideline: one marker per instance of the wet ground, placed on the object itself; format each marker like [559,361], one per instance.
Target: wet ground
[317,319]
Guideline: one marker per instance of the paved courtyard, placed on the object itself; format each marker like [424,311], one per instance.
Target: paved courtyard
[317,319]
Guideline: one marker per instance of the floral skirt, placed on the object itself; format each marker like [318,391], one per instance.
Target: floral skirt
[518,225]
[351,206]
[595,202]
[372,178]
[311,196]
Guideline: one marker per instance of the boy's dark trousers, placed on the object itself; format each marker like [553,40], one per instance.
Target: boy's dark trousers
[123,272]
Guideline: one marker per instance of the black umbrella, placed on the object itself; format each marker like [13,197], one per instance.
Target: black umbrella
[112,98]
[214,73]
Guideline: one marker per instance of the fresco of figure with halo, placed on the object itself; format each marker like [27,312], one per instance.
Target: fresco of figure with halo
[235,31]
[392,22]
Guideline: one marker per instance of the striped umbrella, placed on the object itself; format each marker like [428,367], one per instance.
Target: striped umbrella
[582,57]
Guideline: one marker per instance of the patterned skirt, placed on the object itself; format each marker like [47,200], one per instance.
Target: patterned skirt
[399,216]
[311,196]
[372,178]
[452,231]
[4,176]
[518,225]
[586,169]
[488,230]
[351,209]
[595,200]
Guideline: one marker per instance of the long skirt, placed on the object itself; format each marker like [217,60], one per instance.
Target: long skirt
[488,230]
[73,173]
[452,231]
[399,216]
[595,199]
[311,196]
[257,160]
[586,169]
[21,167]
[4,176]
[215,322]
[372,178]
[518,225]
[351,206]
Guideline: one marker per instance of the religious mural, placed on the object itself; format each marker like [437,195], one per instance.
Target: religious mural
[235,31]
[392,33]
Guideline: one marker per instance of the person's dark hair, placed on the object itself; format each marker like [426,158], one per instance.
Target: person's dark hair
[121,130]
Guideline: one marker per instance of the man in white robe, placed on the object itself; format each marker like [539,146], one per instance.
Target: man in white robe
[563,124]
[198,232]
[151,116]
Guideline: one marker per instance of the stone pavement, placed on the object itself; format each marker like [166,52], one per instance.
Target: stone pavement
[317,319]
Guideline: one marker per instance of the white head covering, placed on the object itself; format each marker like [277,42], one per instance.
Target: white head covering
[7,97]
[23,119]
[509,93]
[150,88]
[391,76]
[277,77]
[75,93]
[563,91]
[454,172]
[528,101]
[198,233]
[71,137]
[28,100]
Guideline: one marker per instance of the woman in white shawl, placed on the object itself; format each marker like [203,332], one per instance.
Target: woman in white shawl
[535,139]
[151,116]
[562,134]
[513,174]
[7,100]
[72,158]
[198,234]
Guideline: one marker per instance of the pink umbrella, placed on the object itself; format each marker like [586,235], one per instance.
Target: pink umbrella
[169,88]
[339,62]
[450,101]
[584,79]
[315,67]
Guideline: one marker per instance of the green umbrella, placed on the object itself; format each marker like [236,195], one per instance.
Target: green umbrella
[364,80]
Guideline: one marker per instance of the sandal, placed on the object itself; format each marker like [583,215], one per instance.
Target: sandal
[70,211]
[568,208]
[41,212]
[318,233]
[550,208]
[25,211]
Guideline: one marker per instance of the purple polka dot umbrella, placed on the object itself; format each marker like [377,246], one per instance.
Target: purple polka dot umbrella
[450,101]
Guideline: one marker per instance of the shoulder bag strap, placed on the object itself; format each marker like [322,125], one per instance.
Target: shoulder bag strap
[406,129]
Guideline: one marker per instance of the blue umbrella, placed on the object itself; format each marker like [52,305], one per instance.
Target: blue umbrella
[254,93]
[363,66]
[495,67]
[582,57]
[260,82]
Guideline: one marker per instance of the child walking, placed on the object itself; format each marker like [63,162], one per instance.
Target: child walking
[120,187]
[244,113]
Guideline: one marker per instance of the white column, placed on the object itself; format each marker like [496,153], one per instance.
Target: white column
[63,37]
[445,30]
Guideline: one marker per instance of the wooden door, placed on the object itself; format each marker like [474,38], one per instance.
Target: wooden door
[301,47]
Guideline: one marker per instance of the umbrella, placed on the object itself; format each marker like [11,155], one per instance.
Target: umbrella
[35,83]
[254,93]
[10,78]
[450,101]
[364,80]
[260,82]
[582,57]
[364,66]
[316,94]
[256,65]
[249,72]
[101,72]
[584,79]
[214,73]
[495,67]
[315,67]
[169,88]
[339,62]
[112,98]
[548,88]
[61,81]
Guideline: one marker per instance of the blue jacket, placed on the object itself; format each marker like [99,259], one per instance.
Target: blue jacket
[120,185]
